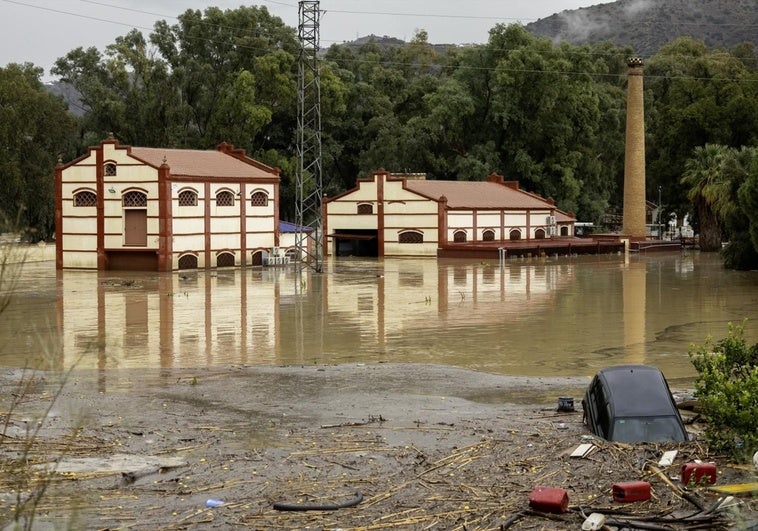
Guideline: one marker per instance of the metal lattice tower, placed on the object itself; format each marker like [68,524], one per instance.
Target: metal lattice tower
[309,182]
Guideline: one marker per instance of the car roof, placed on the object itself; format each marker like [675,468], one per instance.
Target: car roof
[637,390]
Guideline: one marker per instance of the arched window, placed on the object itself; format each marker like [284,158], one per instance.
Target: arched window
[411,236]
[259,199]
[564,230]
[365,208]
[187,198]
[224,198]
[488,235]
[293,254]
[85,198]
[515,234]
[539,234]
[256,258]
[459,236]
[109,169]
[134,199]
[188,261]
[225,260]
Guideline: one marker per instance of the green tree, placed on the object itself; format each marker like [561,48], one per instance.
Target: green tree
[696,97]
[238,116]
[706,189]
[550,103]
[35,128]
[742,250]
[727,389]
[206,53]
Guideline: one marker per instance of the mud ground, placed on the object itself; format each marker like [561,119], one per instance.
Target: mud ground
[424,447]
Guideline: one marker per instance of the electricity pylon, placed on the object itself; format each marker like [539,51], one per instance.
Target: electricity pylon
[309,187]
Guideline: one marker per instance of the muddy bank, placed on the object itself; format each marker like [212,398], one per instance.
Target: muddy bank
[425,446]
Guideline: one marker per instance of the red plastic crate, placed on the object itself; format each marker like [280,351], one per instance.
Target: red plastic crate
[631,491]
[698,473]
[549,500]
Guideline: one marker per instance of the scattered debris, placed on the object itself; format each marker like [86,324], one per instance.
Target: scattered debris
[583,450]
[667,459]
[549,500]
[698,473]
[631,491]
[736,488]
[355,500]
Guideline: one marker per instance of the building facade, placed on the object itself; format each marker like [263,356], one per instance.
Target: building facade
[135,208]
[391,215]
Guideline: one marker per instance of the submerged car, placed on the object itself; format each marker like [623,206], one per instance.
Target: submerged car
[632,403]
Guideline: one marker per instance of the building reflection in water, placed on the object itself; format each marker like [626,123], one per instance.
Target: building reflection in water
[549,317]
[533,317]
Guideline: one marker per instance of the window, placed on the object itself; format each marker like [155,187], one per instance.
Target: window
[515,234]
[365,208]
[564,230]
[256,258]
[188,261]
[134,199]
[488,235]
[539,234]
[259,199]
[411,236]
[109,169]
[225,260]
[85,198]
[459,236]
[225,198]
[187,198]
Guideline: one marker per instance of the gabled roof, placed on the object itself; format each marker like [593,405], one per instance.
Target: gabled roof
[203,163]
[493,193]
[477,194]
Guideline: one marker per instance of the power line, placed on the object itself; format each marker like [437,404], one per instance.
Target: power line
[385,63]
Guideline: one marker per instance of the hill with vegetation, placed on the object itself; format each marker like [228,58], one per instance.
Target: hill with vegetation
[646,25]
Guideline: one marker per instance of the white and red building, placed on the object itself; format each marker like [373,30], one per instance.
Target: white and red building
[138,208]
[407,215]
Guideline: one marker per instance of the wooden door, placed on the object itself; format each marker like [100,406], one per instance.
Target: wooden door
[135,227]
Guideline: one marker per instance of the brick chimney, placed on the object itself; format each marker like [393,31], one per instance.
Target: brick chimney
[634,165]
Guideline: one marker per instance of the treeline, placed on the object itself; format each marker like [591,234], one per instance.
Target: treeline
[550,116]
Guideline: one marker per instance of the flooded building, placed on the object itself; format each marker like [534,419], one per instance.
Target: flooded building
[136,208]
[407,215]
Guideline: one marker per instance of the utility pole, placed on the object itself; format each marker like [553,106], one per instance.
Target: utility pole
[309,187]
[660,215]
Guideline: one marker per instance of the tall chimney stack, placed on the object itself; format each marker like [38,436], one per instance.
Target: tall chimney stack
[634,165]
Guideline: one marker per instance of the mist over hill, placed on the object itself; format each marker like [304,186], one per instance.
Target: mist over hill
[646,25]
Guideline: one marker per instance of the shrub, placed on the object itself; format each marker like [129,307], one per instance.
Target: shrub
[727,389]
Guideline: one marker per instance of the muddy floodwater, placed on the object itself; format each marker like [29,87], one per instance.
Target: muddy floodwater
[566,316]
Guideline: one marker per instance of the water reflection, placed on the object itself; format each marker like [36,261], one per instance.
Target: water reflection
[564,316]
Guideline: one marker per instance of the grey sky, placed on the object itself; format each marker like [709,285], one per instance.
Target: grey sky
[40,31]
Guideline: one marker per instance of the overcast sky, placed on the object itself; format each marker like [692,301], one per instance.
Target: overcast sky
[40,31]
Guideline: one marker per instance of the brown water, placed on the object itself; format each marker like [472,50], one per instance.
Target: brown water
[549,317]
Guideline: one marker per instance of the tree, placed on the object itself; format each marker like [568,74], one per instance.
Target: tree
[696,97]
[206,52]
[742,250]
[35,128]
[726,387]
[550,102]
[709,192]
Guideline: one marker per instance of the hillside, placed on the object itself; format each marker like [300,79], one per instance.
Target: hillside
[648,24]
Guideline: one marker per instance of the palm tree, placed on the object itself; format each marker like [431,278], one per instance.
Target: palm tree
[710,191]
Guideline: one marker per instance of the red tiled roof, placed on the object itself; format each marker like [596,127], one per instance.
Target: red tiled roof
[201,163]
[477,194]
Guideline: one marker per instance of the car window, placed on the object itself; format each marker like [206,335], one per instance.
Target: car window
[601,408]
[642,429]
